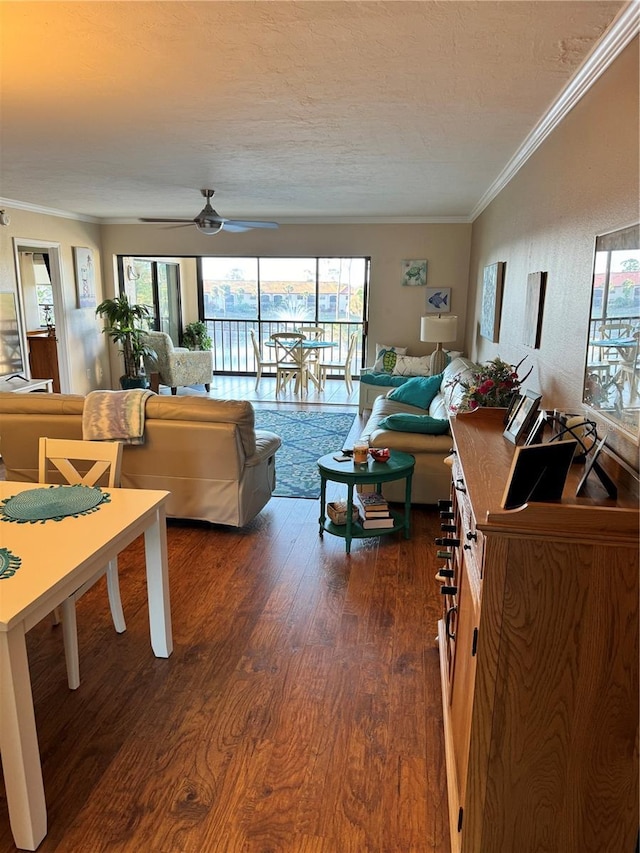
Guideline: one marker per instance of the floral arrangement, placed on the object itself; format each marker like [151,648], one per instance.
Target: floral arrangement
[492,385]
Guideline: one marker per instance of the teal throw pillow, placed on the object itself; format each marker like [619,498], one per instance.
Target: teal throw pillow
[415,423]
[418,391]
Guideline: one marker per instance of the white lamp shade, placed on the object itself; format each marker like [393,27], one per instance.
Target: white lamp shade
[437,330]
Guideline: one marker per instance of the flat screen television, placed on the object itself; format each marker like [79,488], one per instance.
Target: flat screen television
[11,357]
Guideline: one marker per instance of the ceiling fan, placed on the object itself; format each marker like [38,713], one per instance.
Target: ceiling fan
[209,221]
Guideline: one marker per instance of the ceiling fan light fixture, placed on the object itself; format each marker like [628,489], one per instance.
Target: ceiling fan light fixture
[209,228]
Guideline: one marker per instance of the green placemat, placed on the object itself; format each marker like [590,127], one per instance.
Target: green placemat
[9,564]
[52,503]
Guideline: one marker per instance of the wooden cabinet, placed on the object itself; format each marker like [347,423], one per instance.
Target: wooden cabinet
[43,357]
[539,660]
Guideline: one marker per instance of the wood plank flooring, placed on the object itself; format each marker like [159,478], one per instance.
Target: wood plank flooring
[299,713]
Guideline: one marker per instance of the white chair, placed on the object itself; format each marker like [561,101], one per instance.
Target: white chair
[314,333]
[343,367]
[290,360]
[61,455]
[261,364]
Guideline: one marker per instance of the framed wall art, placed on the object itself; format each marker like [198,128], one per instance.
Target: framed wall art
[534,306]
[414,273]
[438,300]
[85,277]
[492,283]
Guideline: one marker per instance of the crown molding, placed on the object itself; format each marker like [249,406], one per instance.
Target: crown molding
[48,211]
[623,29]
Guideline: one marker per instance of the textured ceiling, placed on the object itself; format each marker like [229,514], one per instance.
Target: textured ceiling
[305,110]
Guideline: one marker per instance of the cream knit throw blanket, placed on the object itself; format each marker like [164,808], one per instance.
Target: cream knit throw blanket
[115,416]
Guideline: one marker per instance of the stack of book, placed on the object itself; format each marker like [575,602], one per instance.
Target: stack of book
[374,510]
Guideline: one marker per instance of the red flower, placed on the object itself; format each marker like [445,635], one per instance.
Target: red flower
[486,386]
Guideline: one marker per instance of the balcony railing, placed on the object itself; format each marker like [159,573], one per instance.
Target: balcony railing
[233,351]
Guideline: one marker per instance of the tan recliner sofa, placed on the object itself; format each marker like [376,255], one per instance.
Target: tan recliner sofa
[206,452]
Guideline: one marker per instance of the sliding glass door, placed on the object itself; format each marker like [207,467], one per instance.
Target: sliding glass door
[280,294]
[155,283]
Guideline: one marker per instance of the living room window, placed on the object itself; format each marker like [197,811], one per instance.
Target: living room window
[270,295]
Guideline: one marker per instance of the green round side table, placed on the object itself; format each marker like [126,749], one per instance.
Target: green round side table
[399,466]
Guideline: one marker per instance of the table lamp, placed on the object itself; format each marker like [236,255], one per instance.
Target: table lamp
[436,330]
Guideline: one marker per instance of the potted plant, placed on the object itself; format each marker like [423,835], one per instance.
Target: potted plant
[196,337]
[124,328]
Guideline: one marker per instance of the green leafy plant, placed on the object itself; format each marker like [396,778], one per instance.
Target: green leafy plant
[196,336]
[124,325]
[492,385]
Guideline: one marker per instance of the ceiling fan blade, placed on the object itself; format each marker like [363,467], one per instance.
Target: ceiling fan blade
[182,221]
[209,221]
[233,227]
[248,223]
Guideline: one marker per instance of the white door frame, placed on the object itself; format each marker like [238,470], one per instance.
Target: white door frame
[24,244]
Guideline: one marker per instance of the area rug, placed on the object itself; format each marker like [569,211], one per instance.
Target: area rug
[306,436]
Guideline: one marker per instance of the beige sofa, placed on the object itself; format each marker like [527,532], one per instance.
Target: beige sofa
[432,478]
[206,452]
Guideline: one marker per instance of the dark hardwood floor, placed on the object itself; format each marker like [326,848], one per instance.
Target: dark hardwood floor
[300,711]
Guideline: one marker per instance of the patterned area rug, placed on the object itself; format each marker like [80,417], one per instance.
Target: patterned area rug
[306,436]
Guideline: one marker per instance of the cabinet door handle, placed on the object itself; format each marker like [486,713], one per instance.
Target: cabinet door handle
[461,487]
[447,621]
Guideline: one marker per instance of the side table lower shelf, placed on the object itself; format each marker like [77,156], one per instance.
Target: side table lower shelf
[359,532]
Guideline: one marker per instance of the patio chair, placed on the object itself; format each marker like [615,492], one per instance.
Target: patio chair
[343,367]
[314,333]
[261,364]
[290,360]
[61,455]
[177,366]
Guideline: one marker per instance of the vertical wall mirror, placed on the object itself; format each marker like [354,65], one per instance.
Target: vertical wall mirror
[612,371]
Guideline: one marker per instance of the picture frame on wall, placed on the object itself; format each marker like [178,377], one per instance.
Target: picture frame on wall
[438,300]
[523,416]
[492,285]
[85,277]
[414,273]
[534,307]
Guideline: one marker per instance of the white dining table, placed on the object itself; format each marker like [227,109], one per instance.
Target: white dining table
[56,557]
